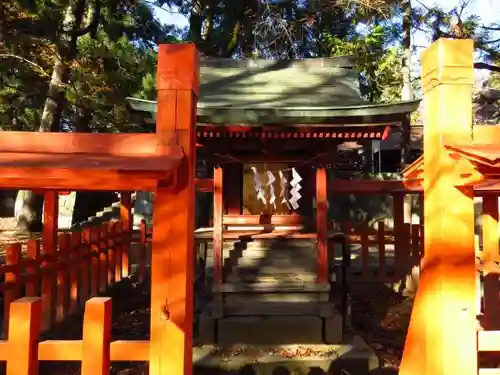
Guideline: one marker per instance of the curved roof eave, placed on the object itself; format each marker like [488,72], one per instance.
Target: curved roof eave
[283,115]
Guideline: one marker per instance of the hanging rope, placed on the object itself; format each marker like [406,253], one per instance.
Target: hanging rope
[300,164]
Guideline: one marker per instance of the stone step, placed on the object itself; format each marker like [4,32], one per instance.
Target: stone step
[250,308]
[277,262]
[266,244]
[271,330]
[274,286]
[264,298]
[273,274]
[267,252]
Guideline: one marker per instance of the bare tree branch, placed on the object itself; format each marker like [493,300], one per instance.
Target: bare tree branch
[95,14]
[482,65]
[29,62]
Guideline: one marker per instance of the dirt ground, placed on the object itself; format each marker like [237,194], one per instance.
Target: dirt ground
[378,315]
[381,317]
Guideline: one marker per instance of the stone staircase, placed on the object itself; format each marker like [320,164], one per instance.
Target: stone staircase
[269,286]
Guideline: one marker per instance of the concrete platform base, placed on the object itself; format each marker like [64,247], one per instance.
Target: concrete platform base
[270,330]
[353,355]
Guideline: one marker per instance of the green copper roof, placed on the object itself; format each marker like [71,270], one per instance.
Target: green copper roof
[323,90]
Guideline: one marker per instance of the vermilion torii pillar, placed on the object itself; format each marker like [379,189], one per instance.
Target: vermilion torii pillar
[173,217]
[442,334]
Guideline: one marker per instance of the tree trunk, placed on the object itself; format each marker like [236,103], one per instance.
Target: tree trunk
[195,21]
[7,202]
[30,217]
[406,94]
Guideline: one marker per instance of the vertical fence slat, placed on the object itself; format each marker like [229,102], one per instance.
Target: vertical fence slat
[143,261]
[143,251]
[126,219]
[218,242]
[74,270]
[406,248]
[117,234]
[95,234]
[490,254]
[321,225]
[96,336]
[32,270]
[11,286]
[382,271]
[103,258]
[111,254]
[421,218]
[399,245]
[49,270]
[85,253]
[62,277]
[365,254]
[25,321]
[415,244]
[346,227]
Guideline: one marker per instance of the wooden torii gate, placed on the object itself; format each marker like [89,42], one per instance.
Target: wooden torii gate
[458,159]
[164,163]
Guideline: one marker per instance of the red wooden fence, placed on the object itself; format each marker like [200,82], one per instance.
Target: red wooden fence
[23,350]
[87,263]
[406,239]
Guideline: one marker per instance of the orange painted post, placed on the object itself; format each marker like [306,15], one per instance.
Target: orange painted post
[218,241]
[95,238]
[50,221]
[24,327]
[365,254]
[415,244]
[172,270]
[12,280]
[96,336]
[62,277]
[400,247]
[322,225]
[143,258]
[48,270]
[110,253]
[103,258]
[441,338]
[490,255]
[127,223]
[49,241]
[33,268]
[75,262]
[142,241]
[85,254]
[117,248]
[382,269]
[421,216]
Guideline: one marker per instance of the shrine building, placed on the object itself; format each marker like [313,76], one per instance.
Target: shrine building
[274,115]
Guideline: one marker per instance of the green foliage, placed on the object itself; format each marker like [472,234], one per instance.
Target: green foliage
[114,61]
[118,58]
[378,62]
